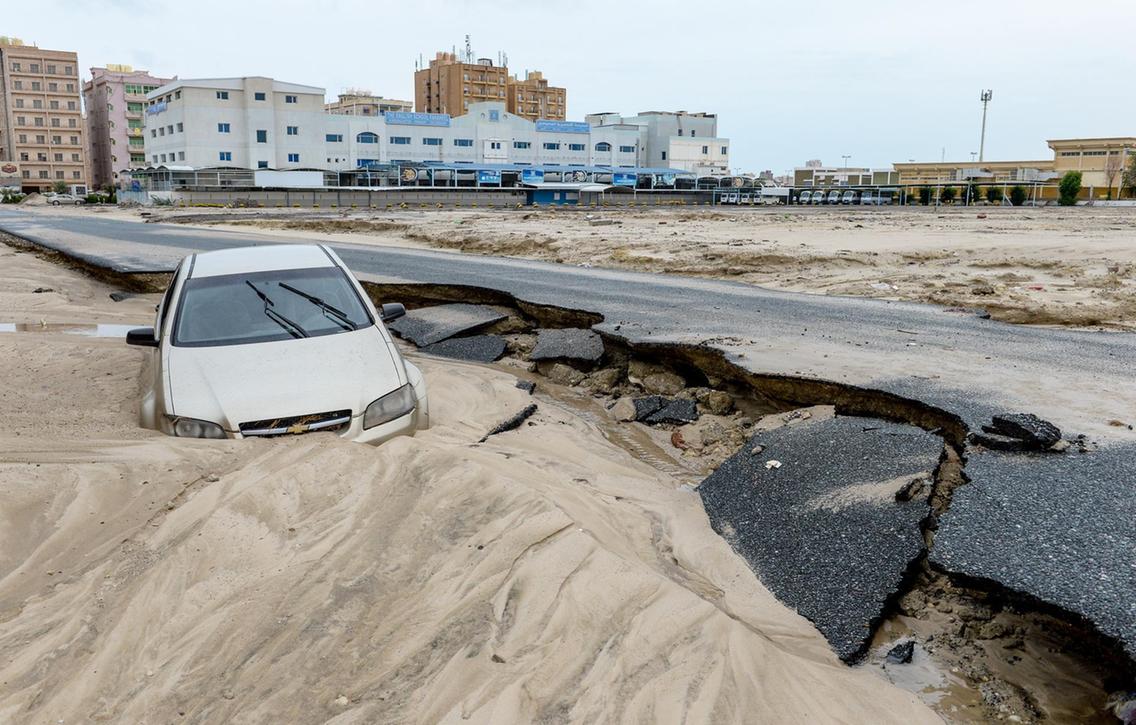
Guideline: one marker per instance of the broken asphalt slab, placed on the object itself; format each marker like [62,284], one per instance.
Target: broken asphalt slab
[567,344]
[823,530]
[478,348]
[428,325]
[1057,527]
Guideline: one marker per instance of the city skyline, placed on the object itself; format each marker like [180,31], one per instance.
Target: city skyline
[787,85]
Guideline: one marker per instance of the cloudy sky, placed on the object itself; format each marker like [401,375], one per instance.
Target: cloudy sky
[881,81]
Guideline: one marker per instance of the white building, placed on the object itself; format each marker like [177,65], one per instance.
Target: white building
[258,123]
[675,139]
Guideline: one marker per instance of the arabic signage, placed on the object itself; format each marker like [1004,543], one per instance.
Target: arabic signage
[623,179]
[532,176]
[487,176]
[406,118]
[563,127]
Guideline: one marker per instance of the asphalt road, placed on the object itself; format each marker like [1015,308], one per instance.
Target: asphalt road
[962,364]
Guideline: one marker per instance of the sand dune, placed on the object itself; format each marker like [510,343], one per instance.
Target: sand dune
[542,576]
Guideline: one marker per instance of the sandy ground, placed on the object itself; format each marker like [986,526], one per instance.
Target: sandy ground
[545,575]
[1050,266]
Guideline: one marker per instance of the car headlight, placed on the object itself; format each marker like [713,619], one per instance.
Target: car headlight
[193,428]
[392,405]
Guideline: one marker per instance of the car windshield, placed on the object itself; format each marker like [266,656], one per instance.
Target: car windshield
[238,309]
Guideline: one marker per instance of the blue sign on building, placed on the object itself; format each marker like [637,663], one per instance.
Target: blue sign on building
[156,108]
[623,179]
[366,163]
[563,126]
[406,118]
[486,176]
[532,176]
[494,115]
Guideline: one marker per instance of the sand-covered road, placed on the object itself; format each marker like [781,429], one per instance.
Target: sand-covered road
[545,575]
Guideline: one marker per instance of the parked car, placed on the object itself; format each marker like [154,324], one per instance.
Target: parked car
[818,197]
[275,340]
[834,196]
[849,197]
[57,199]
[868,198]
[805,197]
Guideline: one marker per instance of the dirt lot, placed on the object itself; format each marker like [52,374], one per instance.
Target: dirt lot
[544,575]
[1047,266]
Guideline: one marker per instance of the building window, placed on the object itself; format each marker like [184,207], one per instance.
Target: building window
[550,146]
[59,174]
[664,156]
[162,131]
[155,158]
[290,99]
[181,127]
[59,157]
[522,144]
[262,164]
[396,140]
[705,149]
[293,130]
[223,156]
[181,156]
[431,142]
[334,138]
[222,95]
[723,150]
[494,144]
[259,96]
[164,158]
[575,147]
[1070,153]
[603,146]
[293,158]
[626,149]
[261,136]
[222,128]
[74,157]
[153,133]
[368,137]
[463,142]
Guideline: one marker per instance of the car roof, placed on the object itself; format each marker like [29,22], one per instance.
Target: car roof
[265,258]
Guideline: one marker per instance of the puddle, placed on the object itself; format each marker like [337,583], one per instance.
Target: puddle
[88,330]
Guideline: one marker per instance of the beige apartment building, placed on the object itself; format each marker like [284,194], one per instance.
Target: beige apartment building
[364,103]
[41,121]
[533,98]
[449,85]
[115,99]
[1101,161]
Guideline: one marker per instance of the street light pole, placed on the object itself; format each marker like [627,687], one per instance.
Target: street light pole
[985,98]
[845,157]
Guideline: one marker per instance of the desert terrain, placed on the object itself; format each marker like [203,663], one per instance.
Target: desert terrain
[544,575]
[1043,266]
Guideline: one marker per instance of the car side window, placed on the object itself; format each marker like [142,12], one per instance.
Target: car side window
[164,305]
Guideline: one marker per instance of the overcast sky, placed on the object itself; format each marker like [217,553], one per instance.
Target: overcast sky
[881,81]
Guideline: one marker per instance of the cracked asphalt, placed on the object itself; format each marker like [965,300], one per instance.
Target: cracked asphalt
[966,366]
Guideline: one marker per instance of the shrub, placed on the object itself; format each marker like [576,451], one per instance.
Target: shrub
[993,194]
[59,187]
[948,195]
[1017,195]
[924,195]
[1069,188]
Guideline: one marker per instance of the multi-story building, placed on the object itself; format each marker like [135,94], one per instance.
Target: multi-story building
[826,176]
[364,103]
[250,123]
[1101,161]
[449,85]
[533,98]
[41,121]
[676,139]
[115,99]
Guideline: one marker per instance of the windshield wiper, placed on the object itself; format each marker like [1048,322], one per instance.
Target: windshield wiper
[338,315]
[291,327]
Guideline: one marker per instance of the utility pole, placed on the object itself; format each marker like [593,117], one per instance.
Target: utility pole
[845,157]
[985,98]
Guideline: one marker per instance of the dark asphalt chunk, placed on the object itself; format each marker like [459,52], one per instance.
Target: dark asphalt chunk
[1055,526]
[568,344]
[511,423]
[1037,433]
[479,348]
[996,442]
[428,325]
[824,531]
[526,385]
[678,410]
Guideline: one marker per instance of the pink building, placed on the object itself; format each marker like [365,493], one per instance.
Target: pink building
[115,100]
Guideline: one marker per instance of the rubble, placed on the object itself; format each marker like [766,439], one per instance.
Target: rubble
[511,423]
[568,344]
[478,348]
[1035,432]
[428,325]
[560,373]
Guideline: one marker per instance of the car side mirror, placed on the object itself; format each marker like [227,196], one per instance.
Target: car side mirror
[392,311]
[142,337]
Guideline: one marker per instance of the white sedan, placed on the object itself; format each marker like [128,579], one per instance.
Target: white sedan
[275,340]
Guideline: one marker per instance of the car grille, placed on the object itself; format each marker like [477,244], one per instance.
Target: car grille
[333,421]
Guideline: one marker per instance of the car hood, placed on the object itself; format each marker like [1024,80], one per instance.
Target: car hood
[232,384]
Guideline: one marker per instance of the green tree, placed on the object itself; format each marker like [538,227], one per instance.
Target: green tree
[1128,180]
[924,195]
[993,194]
[1017,195]
[948,195]
[1069,188]
[59,187]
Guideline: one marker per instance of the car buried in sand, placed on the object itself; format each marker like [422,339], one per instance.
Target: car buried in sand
[275,340]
